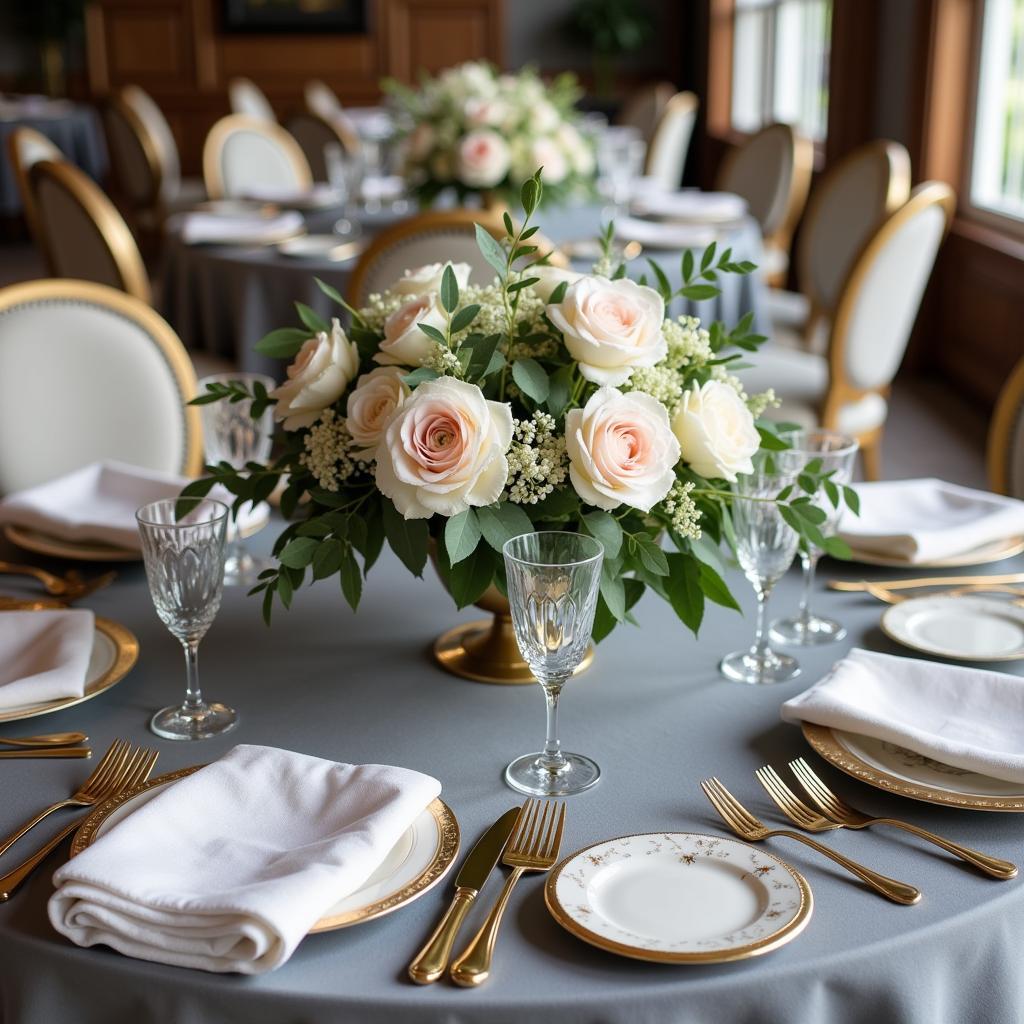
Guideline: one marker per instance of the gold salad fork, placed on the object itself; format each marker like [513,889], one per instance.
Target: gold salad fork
[846,816]
[70,587]
[533,846]
[135,771]
[748,827]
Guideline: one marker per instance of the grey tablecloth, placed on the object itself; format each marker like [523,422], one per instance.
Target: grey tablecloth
[225,298]
[74,129]
[654,713]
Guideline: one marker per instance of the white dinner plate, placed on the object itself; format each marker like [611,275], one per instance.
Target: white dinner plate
[321,247]
[679,897]
[416,863]
[993,551]
[966,628]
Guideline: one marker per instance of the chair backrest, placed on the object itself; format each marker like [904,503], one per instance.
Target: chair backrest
[321,99]
[1006,438]
[159,131]
[134,155]
[666,154]
[315,134]
[853,198]
[89,373]
[242,153]
[246,97]
[83,235]
[644,107]
[25,147]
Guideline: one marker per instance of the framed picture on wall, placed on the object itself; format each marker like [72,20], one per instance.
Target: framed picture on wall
[294,15]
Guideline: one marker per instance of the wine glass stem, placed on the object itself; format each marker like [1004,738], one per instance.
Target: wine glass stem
[193,695]
[760,646]
[810,564]
[552,757]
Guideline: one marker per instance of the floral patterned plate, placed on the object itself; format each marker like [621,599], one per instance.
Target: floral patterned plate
[679,898]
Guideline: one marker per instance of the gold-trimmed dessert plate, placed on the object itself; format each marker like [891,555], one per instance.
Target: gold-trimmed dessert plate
[417,862]
[679,898]
[993,551]
[906,773]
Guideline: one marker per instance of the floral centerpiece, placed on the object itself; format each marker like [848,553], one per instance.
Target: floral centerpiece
[479,132]
[460,415]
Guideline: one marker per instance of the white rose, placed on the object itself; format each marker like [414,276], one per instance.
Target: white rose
[577,150]
[428,278]
[482,159]
[444,450]
[610,327]
[621,450]
[323,368]
[544,117]
[716,431]
[376,396]
[481,112]
[551,278]
[548,154]
[404,343]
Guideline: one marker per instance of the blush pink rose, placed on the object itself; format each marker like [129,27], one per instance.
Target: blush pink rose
[404,343]
[376,396]
[482,159]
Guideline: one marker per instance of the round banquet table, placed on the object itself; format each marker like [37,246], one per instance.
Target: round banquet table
[655,714]
[224,298]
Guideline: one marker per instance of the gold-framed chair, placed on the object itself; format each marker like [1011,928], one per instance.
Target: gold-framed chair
[242,153]
[1005,449]
[847,389]
[670,141]
[644,107]
[315,134]
[83,235]
[436,236]
[26,147]
[319,98]
[90,373]
[247,98]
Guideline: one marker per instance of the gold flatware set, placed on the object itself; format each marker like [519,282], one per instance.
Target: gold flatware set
[69,587]
[57,744]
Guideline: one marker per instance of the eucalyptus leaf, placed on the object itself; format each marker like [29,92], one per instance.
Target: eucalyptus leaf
[531,378]
[492,251]
[500,523]
[408,538]
[604,527]
[461,535]
[283,343]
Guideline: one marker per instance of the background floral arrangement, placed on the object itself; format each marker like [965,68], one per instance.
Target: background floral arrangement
[476,131]
[548,399]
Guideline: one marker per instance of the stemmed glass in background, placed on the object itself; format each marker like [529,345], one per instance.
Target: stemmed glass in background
[553,583]
[183,547]
[765,546]
[345,176]
[230,434]
[835,453]
[620,161]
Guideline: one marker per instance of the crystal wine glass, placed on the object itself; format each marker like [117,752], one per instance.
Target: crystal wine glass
[620,159]
[231,435]
[836,454]
[184,555]
[552,591]
[765,546]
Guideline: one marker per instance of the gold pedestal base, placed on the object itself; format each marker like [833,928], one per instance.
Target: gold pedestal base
[486,652]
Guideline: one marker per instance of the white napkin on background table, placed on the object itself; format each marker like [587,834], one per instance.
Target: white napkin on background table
[319,194]
[200,227]
[44,655]
[923,520]
[965,717]
[229,868]
[692,205]
[659,235]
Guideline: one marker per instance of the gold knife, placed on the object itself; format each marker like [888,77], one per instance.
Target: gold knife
[925,581]
[49,752]
[432,960]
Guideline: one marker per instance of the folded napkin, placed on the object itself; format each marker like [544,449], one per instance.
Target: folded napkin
[320,194]
[968,718]
[922,520]
[657,235]
[44,655]
[229,868]
[201,227]
[382,188]
[692,205]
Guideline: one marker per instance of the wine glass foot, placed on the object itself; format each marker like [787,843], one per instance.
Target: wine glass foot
[527,774]
[184,723]
[807,632]
[769,667]
[244,569]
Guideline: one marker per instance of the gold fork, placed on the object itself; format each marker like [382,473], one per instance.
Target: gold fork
[847,817]
[136,770]
[533,846]
[746,826]
[71,586]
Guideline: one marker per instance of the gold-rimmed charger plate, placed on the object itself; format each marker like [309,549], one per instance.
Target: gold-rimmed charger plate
[115,650]
[679,898]
[993,551]
[897,770]
[418,861]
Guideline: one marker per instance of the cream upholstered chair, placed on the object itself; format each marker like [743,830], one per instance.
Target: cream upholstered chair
[666,153]
[89,373]
[242,153]
[26,147]
[642,110]
[852,199]
[772,171]
[1006,438]
[433,237]
[82,233]
[246,97]
[321,99]
[847,389]
[316,134]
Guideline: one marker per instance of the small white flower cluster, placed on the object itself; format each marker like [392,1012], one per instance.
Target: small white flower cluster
[765,400]
[689,344]
[444,361]
[660,382]
[328,452]
[685,516]
[537,462]
[379,306]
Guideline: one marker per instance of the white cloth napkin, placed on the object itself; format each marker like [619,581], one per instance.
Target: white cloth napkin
[382,188]
[320,194]
[656,235]
[692,205]
[968,718]
[922,520]
[44,655]
[228,869]
[200,227]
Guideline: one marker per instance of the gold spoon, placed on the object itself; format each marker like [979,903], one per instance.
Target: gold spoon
[54,739]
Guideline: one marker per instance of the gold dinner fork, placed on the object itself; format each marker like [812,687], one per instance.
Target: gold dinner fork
[136,770]
[70,586]
[846,816]
[748,827]
[533,846]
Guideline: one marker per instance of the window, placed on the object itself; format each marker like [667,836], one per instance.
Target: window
[997,167]
[780,64]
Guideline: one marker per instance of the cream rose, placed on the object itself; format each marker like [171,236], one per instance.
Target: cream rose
[428,278]
[621,450]
[546,153]
[482,159]
[551,278]
[444,450]
[610,327]
[716,431]
[376,396]
[322,370]
[404,343]
[577,150]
